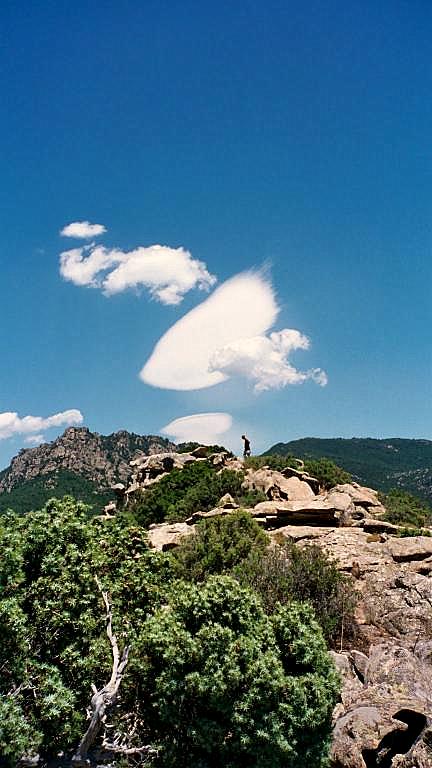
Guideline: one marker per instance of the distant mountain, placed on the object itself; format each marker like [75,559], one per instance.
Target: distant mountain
[382,464]
[81,463]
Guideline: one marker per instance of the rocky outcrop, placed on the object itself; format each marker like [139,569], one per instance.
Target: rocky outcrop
[277,486]
[168,535]
[385,715]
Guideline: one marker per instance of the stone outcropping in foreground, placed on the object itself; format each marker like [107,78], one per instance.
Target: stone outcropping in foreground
[384,718]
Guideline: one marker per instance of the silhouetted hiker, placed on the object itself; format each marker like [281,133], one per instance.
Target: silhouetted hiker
[246,451]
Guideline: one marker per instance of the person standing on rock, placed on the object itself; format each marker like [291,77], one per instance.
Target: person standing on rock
[247,448]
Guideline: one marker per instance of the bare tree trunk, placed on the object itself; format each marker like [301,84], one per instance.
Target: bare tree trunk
[106,696]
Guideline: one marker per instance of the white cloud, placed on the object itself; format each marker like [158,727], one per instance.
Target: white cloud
[11,424]
[244,305]
[34,439]
[82,230]
[199,427]
[264,360]
[168,273]
[225,336]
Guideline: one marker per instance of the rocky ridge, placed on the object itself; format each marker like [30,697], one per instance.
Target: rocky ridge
[384,717]
[104,460]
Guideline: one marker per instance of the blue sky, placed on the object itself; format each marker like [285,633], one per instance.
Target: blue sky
[291,139]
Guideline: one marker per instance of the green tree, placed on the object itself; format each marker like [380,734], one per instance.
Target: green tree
[196,487]
[52,630]
[224,684]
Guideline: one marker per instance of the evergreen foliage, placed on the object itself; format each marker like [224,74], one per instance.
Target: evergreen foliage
[218,545]
[34,493]
[52,629]
[403,508]
[196,487]
[228,686]
[304,574]
[211,679]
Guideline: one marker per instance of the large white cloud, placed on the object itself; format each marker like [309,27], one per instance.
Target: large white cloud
[198,427]
[82,230]
[168,273]
[225,336]
[243,306]
[264,360]
[11,424]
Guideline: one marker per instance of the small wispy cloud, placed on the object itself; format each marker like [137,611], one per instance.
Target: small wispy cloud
[203,428]
[11,424]
[264,360]
[226,336]
[167,273]
[34,439]
[82,230]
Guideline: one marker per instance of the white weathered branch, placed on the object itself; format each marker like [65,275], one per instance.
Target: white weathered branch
[105,697]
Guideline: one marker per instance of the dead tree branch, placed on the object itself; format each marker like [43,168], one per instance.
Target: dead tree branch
[104,698]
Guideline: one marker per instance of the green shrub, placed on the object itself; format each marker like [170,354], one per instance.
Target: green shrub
[196,487]
[411,531]
[218,545]
[278,463]
[17,737]
[289,572]
[209,449]
[327,472]
[222,684]
[403,508]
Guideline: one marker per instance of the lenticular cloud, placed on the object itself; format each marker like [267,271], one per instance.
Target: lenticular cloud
[203,428]
[243,306]
[225,337]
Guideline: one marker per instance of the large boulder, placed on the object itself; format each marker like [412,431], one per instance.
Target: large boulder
[303,476]
[385,715]
[165,536]
[276,486]
[147,470]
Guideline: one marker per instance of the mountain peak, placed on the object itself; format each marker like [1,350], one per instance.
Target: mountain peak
[100,460]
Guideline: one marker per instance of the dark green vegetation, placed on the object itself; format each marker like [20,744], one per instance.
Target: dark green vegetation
[215,677]
[406,509]
[33,494]
[240,687]
[197,487]
[219,544]
[324,470]
[280,575]
[208,449]
[381,464]
[235,544]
